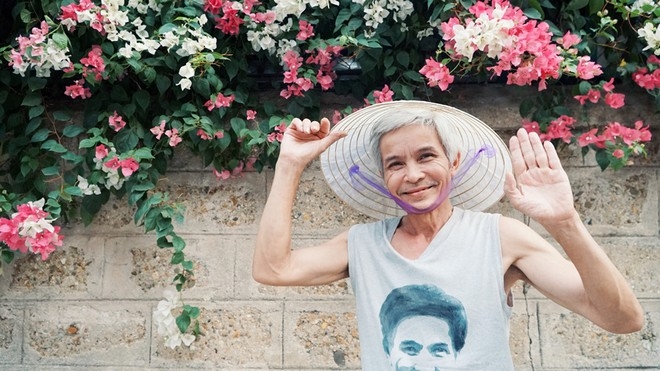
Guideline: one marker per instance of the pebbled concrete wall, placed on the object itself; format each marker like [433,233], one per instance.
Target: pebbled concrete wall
[89,306]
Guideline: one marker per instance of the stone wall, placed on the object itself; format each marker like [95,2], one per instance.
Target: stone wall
[89,306]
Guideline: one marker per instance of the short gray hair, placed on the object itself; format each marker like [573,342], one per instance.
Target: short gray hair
[447,133]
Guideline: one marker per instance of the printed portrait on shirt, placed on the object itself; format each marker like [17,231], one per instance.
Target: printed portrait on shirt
[423,328]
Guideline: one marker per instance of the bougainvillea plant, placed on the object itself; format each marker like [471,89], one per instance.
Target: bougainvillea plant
[96,94]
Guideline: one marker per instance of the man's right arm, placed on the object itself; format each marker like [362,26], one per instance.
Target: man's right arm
[274,262]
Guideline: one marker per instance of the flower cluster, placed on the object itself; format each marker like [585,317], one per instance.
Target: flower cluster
[30,229]
[40,52]
[165,320]
[502,39]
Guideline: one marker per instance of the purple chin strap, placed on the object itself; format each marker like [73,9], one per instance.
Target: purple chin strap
[471,160]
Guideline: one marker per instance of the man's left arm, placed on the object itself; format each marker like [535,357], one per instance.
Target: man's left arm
[589,283]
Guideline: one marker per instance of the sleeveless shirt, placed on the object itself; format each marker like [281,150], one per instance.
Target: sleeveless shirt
[461,265]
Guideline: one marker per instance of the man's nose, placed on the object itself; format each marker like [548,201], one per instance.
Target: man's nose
[414,172]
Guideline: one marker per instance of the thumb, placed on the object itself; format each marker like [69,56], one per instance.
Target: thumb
[332,137]
[510,187]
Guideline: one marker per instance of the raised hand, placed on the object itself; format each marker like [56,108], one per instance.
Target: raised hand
[304,140]
[540,188]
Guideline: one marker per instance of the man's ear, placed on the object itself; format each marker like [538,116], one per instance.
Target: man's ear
[455,163]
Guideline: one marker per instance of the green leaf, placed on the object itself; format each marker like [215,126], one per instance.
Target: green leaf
[72,131]
[533,13]
[36,83]
[62,116]
[403,58]
[53,146]
[183,321]
[576,5]
[595,6]
[163,83]
[118,93]
[31,100]
[50,171]
[41,135]
[142,98]
[126,140]
[60,40]
[36,111]
[602,159]
[179,243]
[177,258]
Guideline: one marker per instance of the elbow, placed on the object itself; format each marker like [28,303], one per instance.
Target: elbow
[627,323]
[636,323]
[266,276]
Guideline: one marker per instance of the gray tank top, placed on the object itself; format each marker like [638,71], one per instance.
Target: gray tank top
[445,310]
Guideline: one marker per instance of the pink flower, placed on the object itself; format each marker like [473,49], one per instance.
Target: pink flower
[437,74]
[94,63]
[336,117]
[615,100]
[618,153]
[128,166]
[586,69]
[203,135]
[222,175]
[219,134]
[116,121]
[568,40]
[306,30]
[588,138]
[384,95]
[101,152]
[159,130]
[251,114]
[113,163]
[77,90]
[325,81]
[174,137]
[531,126]
[230,23]
[609,86]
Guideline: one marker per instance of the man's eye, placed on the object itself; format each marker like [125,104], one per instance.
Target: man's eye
[439,350]
[426,156]
[410,347]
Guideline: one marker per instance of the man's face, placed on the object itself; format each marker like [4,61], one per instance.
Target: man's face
[415,166]
[421,343]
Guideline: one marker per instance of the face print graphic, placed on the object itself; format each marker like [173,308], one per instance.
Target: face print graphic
[423,328]
[422,343]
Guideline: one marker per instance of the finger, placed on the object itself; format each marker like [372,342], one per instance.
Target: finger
[540,154]
[296,124]
[517,161]
[526,149]
[553,157]
[324,127]
[306,124]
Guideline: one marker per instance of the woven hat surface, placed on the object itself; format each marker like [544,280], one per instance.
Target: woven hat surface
[481,185]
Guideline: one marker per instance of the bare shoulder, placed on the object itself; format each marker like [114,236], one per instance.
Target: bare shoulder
[519,240]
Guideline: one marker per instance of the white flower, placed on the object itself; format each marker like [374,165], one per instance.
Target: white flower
[652,37]
[184,84]
[284,8]
[323,3]
[202,20]
[169,39]
[86,188]
[166,322]
[187,71]
[375,13]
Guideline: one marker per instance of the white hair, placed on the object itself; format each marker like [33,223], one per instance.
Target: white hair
[449,137]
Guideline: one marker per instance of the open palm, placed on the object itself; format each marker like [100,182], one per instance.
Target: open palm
[540,189]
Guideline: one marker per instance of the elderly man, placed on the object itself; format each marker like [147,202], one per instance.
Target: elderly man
[428,171]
